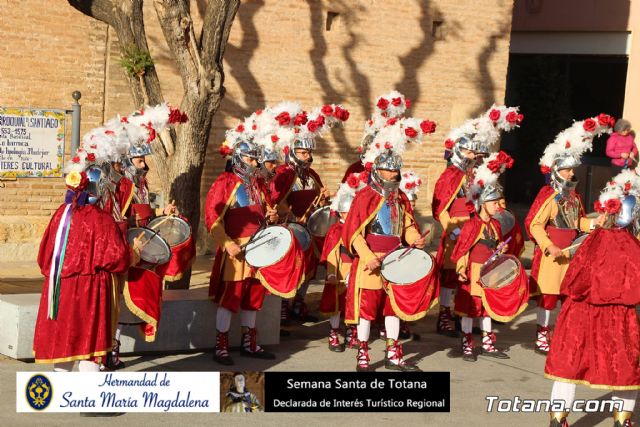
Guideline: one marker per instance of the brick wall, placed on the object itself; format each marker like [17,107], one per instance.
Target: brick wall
[278,51]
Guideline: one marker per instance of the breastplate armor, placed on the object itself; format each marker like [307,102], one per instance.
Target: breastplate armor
[242,198]
[488,239]
[384,225]
[568,211]
[297,185]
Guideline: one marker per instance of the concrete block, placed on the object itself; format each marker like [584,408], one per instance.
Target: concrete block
[187,323]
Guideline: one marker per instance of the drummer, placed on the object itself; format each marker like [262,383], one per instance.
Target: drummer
[236,207]
[297,189]
[557,216]
[380,220]
[476,244]
[337,261]
[465,147]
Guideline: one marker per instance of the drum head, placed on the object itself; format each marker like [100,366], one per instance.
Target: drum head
[320,221]
[174,230]
[501,272]
[578,241]
[414,265]
[301,234]
[156,250]
[268,246]
[507,221]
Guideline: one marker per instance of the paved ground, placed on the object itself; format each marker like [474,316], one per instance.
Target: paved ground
[305,350]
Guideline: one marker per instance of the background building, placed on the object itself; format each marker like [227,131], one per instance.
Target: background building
[448,56]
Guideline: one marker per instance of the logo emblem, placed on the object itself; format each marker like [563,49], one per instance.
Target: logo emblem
[39,392]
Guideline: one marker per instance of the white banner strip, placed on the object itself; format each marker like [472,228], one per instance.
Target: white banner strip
[118,392]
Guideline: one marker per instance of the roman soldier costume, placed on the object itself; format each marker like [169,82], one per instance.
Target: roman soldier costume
[475,248]
[597,337]
[296,188]
[81,252]
[475,138]
[380,220]
[557,216]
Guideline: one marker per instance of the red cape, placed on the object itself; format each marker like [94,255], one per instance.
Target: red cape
[364,207]
[331,240]
[356,167]
[95,251]
[543,195]
[605,270]
[446,190]
[469,234]
[283,181]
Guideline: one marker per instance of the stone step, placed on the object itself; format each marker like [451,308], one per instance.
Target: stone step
[188,323]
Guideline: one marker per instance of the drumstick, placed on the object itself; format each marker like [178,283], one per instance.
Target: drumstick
[413,245]
[264,243]
[498,250]
[244,245]
[575,245]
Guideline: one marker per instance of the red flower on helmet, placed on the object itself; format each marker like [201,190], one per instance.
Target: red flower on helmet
[567,144]
[359,150]
[177,116]
[407,103]
[520,118]
[124,120]
[494,115]
[300,119]
[341,114]
[91,157]
[225,150]
[392,121]
[258,112]
[448,144]
[326,110]
[387,145]
[368,166]
[254,127]
[545,169]
[613,206]
[240,128]
[604,119]
[353,181]
[589,125]
[76,159]
[382,104]
[396,102]
[512,117]
[285,150]
[109,132]
[283,118]
[597,206]
[627,187]
[312,126]
[411,132]
[481,183]
[427,126]
[274,138]
[320,120]
[364,176]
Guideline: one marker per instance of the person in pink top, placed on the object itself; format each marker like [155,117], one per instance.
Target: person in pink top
[621,147]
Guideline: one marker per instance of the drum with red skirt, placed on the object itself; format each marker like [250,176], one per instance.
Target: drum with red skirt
[176,231]
[410,282]
[278,257]
[505,289]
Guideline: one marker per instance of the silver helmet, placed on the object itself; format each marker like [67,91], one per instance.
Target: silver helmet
[563,161]
[140,150]
[386,160]
[244,149]
[133,172]
[458,158]
[268,155]
[100,183]
[308,144]
[490,193]
[629,212]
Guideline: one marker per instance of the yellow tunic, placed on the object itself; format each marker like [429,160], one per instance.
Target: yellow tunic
[552,271]
[463,262]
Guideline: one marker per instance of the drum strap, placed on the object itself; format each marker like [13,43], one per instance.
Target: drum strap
[490,243]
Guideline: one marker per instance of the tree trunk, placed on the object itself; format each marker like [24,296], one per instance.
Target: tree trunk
[179,154]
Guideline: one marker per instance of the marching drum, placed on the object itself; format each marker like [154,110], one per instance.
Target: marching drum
[320,220]
[575,245]
[501,272]
[301,234]
[176,231]
[406,266]
[505,287]
[173,229]
[155,250]
[276,253]
[268,246]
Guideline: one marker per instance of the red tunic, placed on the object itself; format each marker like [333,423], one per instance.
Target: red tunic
[596,341]
[95,252]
